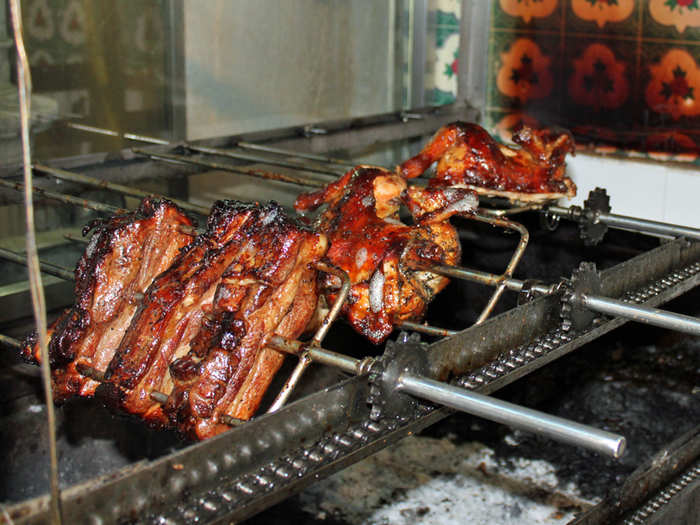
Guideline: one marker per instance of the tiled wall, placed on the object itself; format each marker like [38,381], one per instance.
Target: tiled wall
[621,74]
[442,44]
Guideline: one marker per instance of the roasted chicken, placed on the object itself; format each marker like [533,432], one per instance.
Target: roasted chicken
[468,157]
[370,243]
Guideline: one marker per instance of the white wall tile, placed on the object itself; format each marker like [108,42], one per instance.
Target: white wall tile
[637,189]
[683,197]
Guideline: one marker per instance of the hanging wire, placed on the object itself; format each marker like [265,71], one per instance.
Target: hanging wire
[24,86]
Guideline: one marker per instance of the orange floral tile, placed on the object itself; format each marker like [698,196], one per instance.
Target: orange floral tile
[529,9]
[525,72]
[602,11]
[675,85]
[599,80]
[678,13]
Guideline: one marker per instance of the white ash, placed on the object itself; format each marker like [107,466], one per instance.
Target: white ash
[462,499]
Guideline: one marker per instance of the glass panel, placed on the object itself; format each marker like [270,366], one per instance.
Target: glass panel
[185,69]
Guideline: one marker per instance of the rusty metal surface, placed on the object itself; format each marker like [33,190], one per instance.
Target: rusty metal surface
[251,467]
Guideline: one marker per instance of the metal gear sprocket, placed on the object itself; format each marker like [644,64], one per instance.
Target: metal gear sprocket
[407,354]
[584,280]
[591,230]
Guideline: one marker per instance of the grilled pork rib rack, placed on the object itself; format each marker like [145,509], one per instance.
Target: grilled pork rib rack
[467,156]
[160,310]
[124,255]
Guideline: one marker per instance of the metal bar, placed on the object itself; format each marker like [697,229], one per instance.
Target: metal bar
[302,155]
[624,222]
[126,190]
[305,358]
[111,133]
[641,314]
[51,269]
[632,223]
[10,342]
[473,403]
[477,276]
[261,160]
[68,199]
[512,264]
[504,212]
[75,238]
[426,329]
[513,415]
[310,423]
[301,181]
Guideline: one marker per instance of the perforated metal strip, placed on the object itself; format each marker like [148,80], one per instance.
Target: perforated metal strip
[641,515]
[228,498]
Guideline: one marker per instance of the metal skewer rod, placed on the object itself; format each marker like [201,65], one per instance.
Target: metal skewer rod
[125,190]
[305,359]
[629,223]
[46,267]
[10,342]
[302,155]
[262,160]
[516,416]
[651,316]
[477,276]
[597,303]
[470,402]
[301,181]
[75,238]
[129,136]
[512,264]
[68,199]
[426,329]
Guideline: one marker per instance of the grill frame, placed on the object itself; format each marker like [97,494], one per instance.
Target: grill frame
[266,470]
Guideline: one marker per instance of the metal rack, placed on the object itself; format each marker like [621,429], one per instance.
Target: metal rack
[506,353]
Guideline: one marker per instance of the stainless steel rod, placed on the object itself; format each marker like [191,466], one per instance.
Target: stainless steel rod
[111,133]
[641,314]
[489,279]
[10,342]
[426,329]
[301,181]
[265,160]
[51,269]
[470,402]
[119,188]
[68,199]
[632,223]
[302,155]
[514,415]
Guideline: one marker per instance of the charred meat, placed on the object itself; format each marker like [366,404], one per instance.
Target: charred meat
[467,156]
[199,336]
[124,255]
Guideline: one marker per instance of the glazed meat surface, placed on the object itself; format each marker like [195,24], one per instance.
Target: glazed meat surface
[123,256]
[467,156]
[200,333]
[370,243]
